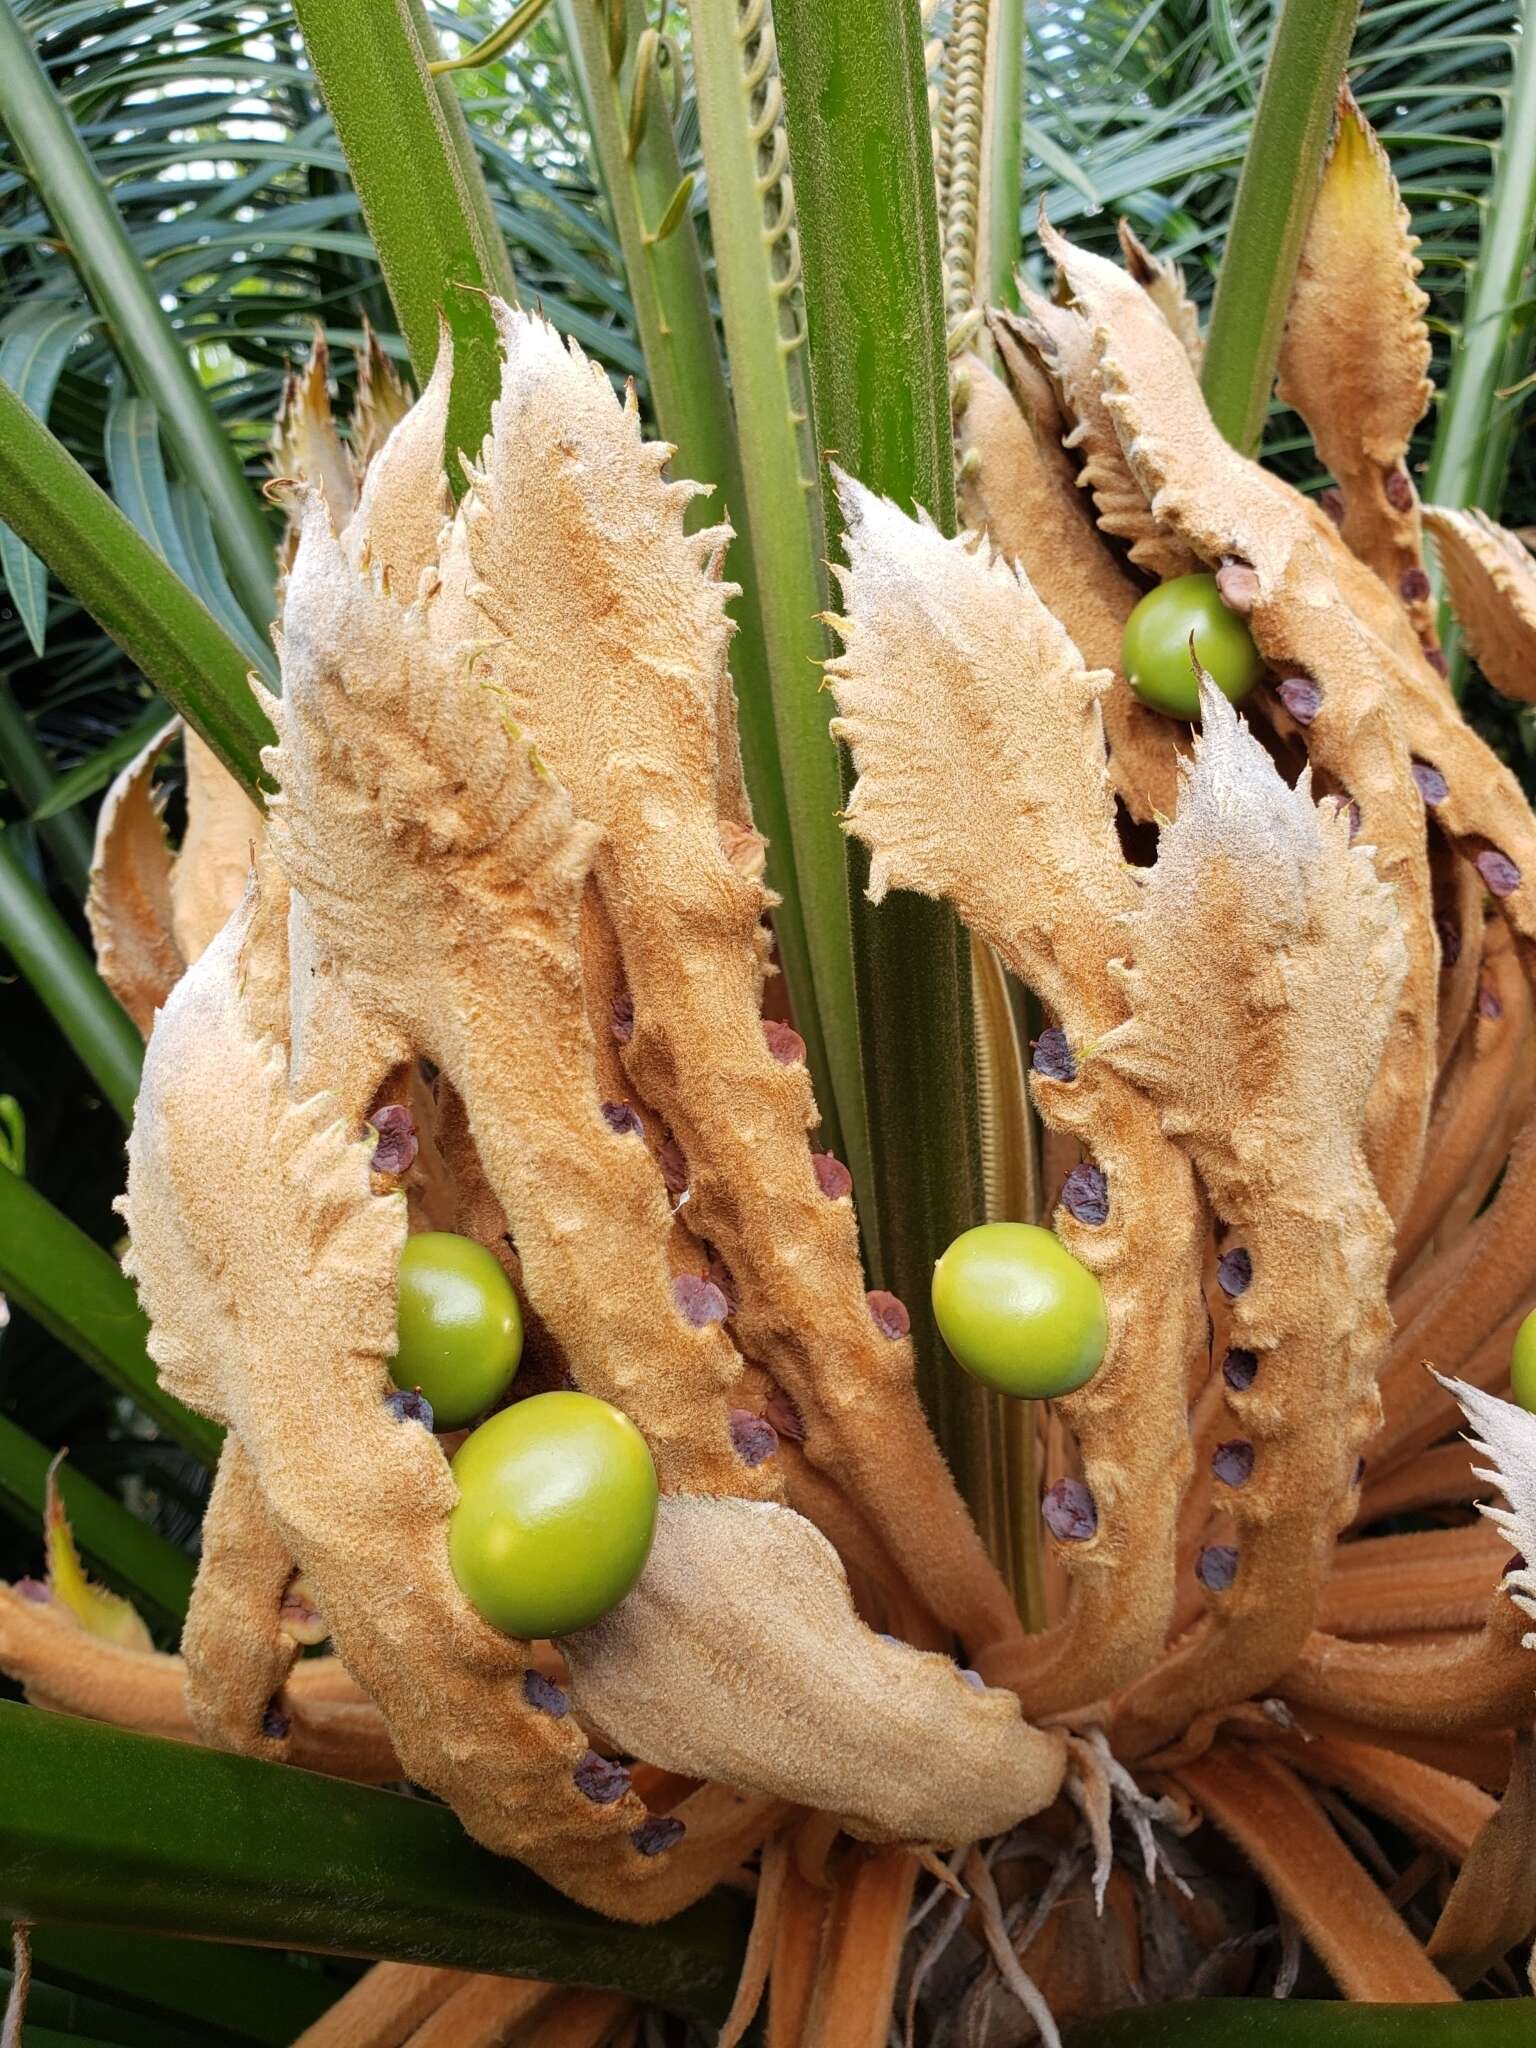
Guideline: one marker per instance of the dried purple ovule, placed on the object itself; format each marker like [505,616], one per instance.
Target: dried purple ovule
[1232,1462]
[1216,1567]
[660,1832]
[621,1117]
[600,1781]
[1450,940]
[1051,1056]
[1332,502]
[1432,785]
[1239,1369]
[888,1313]
[1070,1511]
[783,1041]
[1498,871]
[1237,585]
[411,1407]
[621,1017]
[544,1696]
[274,1722]
[34,1590]
[1234,1272]
[1085,1194]
[1399,489]
[1413,586]
[1488,1004]
[397,1146]
[832,1177]
[972,1678]
[1301,697]
[699,1301]
[754,1436]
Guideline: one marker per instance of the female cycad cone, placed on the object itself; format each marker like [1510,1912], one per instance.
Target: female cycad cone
[1282,1087]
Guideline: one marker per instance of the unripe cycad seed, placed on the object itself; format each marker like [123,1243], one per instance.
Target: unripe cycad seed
[557,1508]
[1018,1311]
[460,1330]
[1155,650]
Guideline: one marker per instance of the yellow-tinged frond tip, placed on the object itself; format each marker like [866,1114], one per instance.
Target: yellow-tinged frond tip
[99,1612]
[1355,357]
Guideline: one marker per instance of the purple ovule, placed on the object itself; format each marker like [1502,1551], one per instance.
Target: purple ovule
[660,1832]
[1234,1272]
[783,1041]
[832,1177]
[544,1696]
[754,1437]
[699,1301]
[1070,1511]
[1051,1056]
[1085,1194]
[1433,786]
[1232,1462]
[1216,1567]
[1301,697]
[1239,1369]
[621,1117]
[600,1781]
[396,1149]
[1237,585]
[1413,586]
[1498,871]
[274,1722]
[410,1407]
[888,1313]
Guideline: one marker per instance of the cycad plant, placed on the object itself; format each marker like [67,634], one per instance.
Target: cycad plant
[828,1228]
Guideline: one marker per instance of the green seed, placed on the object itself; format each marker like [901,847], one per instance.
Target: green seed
[1522,1365]
[1018,1311]
[459,1327]
[557,1508]
[1155,649]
